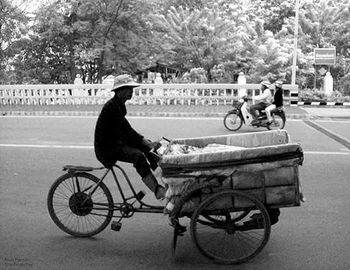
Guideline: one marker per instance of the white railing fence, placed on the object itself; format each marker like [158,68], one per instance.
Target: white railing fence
[186,94]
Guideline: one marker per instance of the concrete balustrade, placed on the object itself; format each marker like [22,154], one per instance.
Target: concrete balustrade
[164,94]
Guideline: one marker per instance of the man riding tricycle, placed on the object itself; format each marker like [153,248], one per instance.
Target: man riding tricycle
[231,186]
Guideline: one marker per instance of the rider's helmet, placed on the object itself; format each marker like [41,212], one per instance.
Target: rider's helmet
[266,84]
[278,84]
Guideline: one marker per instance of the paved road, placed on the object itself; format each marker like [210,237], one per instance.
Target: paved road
[292,112]
[33,149]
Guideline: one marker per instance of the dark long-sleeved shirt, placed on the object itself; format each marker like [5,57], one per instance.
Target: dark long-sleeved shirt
[113,131]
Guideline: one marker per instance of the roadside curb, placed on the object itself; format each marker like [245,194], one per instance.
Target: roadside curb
[323,104]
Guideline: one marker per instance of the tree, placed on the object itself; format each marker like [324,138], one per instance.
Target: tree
[270,55]
[95,38]
[315,22]
[198,38]
[12,27]
[48,47]
[186,4]
[273,12]
[326,24]
[340,33]
[221,37]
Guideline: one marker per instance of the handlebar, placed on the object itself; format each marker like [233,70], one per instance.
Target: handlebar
[153,156]
[153,151]
[165,139]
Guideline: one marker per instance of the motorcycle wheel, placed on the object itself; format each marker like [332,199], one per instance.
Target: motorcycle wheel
[233,121]
[278,122]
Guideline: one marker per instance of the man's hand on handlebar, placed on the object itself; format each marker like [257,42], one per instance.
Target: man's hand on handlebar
[152,156]
[152,145]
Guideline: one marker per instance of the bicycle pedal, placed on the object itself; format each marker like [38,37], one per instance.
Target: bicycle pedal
[180,229]
[139,196]
[116,226]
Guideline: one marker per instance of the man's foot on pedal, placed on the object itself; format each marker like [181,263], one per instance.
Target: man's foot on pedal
[180,229]
[160,192]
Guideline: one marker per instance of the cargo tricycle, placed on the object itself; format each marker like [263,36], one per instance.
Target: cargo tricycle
[221,192]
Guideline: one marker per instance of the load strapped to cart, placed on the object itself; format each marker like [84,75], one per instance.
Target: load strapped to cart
[262,164]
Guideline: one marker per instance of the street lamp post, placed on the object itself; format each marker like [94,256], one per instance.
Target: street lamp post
[296,27]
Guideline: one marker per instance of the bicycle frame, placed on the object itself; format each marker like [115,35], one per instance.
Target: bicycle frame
[143,208]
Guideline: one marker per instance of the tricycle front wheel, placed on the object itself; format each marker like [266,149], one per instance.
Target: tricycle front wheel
[237,229]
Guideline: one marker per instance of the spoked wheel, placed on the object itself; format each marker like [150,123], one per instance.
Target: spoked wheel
[239,231]
[76,212]
[218,217]
[232,121]
[278,122]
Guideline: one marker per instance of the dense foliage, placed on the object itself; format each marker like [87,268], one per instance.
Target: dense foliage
[212,40]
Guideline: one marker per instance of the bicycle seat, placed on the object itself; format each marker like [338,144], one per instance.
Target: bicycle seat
[73,168]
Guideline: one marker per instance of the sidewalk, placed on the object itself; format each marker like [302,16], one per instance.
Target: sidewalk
[292,112]
[322,112]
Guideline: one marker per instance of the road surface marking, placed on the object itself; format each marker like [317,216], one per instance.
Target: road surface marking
[47,146]
[62,146]
[325,153]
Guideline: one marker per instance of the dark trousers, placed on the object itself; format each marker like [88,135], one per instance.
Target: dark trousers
[257,107]
[136,157]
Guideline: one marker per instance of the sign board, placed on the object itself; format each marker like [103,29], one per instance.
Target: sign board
[325,56]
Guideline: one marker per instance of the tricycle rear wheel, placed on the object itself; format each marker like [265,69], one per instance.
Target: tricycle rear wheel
[76,212]
[227,238]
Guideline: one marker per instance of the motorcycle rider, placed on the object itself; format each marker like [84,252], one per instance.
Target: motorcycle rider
[263,100]
[277,100]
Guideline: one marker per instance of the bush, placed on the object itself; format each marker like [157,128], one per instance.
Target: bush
[315,95]
[338,97]
[344,85]
[309,95]
[218,73]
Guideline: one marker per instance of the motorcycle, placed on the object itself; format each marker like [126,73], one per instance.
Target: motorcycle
[240,114]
